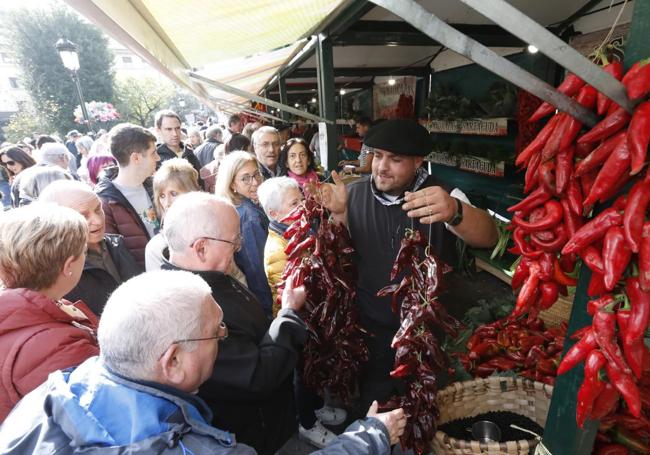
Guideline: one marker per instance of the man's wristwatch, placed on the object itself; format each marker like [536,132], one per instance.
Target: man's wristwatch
[458,216]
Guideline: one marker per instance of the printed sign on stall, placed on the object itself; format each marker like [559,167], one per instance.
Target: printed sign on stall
[394,101]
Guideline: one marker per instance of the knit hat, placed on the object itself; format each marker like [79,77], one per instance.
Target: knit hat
[400,136]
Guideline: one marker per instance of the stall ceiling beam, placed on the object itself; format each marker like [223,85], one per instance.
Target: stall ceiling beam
[367,71]
[566,23]
[510,18]
[235,91]
[451,38]
[398,33]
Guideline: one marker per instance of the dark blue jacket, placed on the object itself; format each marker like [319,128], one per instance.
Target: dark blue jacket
[254,227]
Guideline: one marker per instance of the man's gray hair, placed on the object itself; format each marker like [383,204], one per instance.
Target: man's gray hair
[264,130]
[192,216]
[145,315]
[36,179]
[53,153]
[213,132]
[271,193]
[85,141]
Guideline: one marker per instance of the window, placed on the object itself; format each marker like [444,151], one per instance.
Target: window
[127,59]
[13,82]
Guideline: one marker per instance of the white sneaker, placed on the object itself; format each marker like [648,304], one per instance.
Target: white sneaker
[331,416]
[317,435]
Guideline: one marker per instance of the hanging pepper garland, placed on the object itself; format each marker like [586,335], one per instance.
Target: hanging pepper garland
[321,259]
[566,174]
[418,356]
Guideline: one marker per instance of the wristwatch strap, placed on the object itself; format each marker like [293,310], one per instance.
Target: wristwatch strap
[458,217]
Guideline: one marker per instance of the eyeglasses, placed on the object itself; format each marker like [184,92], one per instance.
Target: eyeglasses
[9,163]
[222,334]
[235,243]
[248,179]
[268,144]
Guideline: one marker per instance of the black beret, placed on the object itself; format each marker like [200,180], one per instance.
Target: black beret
[400,136]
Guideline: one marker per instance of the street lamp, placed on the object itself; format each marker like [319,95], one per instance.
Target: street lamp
[68,52]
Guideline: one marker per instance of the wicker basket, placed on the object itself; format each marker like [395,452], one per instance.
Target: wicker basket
[558,313]
[471,398]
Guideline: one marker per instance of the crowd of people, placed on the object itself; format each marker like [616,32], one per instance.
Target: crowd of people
[139,305]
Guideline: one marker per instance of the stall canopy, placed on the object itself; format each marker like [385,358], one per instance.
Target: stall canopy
[239,43]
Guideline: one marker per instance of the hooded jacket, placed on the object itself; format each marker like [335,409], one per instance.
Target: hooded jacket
[121,218]
[166,153]
[37,338]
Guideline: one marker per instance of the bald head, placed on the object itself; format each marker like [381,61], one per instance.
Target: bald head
[193,225]
[79,197]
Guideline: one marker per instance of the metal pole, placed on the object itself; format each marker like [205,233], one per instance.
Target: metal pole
[84,112]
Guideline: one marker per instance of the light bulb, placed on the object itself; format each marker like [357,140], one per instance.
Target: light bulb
[391,81]
[342,92]
[532,49]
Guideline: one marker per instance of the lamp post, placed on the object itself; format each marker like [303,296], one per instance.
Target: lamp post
[68,52]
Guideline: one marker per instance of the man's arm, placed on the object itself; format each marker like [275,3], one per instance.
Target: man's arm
[434,204]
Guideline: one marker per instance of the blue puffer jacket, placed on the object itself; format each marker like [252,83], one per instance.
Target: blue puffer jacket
[92,410]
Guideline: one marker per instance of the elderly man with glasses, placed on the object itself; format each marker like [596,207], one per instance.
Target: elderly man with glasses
[266,143]
[250,391]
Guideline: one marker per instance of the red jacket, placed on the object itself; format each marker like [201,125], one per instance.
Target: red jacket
[37,338]
[121,218]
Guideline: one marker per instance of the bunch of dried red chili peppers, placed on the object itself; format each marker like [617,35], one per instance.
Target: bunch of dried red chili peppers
[321,259]
[419,356]
[566,174]
[524,347]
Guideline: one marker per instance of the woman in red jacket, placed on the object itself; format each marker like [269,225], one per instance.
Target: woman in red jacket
[42,253]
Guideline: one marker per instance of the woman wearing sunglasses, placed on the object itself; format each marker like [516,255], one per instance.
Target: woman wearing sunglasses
[15,160]
[237,181]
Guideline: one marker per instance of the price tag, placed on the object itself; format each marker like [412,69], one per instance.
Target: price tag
[541,449]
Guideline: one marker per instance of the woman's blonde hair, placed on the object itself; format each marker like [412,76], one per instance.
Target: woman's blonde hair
[35,242]
[228,169]
[177,171]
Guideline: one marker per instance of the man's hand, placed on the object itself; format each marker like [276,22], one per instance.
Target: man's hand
[430,204]
[333,197]
[293,298]
[394,421]
[343,163]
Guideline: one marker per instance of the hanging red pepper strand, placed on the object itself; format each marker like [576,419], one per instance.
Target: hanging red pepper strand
[534,199]
[591,386]
[572,221]
[555,244]
[634,215]
[563,168]
[637,80]
[578,352]
[606,402]
[599,155]
[644,258]
[606,127]
[574,196]
[553,216]
[640,302]
[569,86]
[592,258]
[616,256]
[616,70]
[596,285]
[546,176]
[537,144]
[633,351]
[593,231]
[625,384]
[638,137]
[614,168]
[604,324]
[552,146]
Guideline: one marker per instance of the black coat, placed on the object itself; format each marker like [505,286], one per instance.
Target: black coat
[166,153]
[96,285]
[250,391]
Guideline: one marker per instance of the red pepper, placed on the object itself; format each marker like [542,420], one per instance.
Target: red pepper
[638,137]
[578,352]
[574,196]
[521,245]
[593,231]
[632,351]
[402,370]
[634,215]
[528,291]
[583,150]
[486,348]
[546,175]
[632,442]
[626,386]
[534,199]
[563,168]
[637,80]
[546,266]
[586,183]
[606,402]
[549,292]
[616,256]
[616,166]
[569,87]
[606,301]
[592,258]
[599,154]
[555,244]
[572,221]
[644,258]
[552,146]
[587,98]
[530,178]
[606,127]
[604,324]
[560,277]
[616,70]
[568,263]
[591,386]
[553,216]
[640,302]
[538,143]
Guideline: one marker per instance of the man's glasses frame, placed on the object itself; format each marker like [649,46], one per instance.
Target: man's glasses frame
[223,329]
[235,243]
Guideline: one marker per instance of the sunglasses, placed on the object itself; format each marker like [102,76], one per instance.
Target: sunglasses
[9,163]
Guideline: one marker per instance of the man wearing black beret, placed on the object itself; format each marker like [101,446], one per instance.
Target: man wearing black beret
[398,195]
